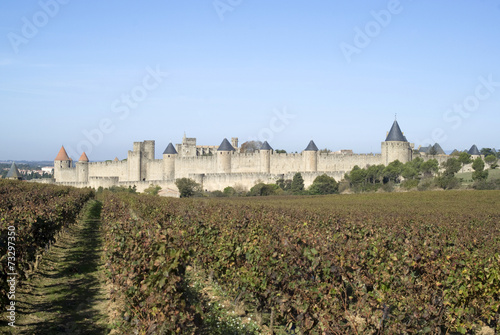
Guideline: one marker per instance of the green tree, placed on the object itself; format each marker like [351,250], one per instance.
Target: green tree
[433,151]
[152,190]
[464,158]
[188,187]
[280,151]
[374,173]
[297,184]
[262,189]
[285,185]
[324,185]
[229,191]
[393,171]
[451,166]
[448,180]
[492,160]
[479,173]
[487,151]
[357,177]
[429,167]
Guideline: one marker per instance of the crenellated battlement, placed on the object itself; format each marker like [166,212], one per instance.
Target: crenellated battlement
[219,166]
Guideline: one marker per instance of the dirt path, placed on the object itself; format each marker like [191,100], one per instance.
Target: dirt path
[67,294]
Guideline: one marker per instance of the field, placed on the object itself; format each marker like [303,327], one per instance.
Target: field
[425,262]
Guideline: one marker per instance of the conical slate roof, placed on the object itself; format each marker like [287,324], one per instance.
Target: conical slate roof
[395,134]
[265,146]
[83,157]
[62,155]
[439,150]
[170,150]
[474,150]
[311,147]
[13,172]
[225,146]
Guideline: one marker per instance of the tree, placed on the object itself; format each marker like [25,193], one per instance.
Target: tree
[250,146]
[357,177]
[464,158]
[487,151]
[325,151]
[448,180]
[262,189]
[324,185]
[452,166]
[188,187]
[492,160]
[479,173]
[374,173]
[429,167]
[285,185]
[229,191]
[297,184]
[280,151]
[393,171]
[433,151]
[152,190]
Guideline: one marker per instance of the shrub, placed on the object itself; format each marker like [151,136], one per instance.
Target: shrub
[409,184]
[324,185]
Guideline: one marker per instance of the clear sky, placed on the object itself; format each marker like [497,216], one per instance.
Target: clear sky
[99,75]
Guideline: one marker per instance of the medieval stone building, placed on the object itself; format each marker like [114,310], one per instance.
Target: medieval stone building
[216,167]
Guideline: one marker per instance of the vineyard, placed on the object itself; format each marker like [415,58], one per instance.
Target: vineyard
[379,263]
[426,262]
[32,215]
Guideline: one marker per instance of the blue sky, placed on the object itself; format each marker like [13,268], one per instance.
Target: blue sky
[97,76]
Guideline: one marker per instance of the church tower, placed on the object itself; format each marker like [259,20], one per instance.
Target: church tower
[396,146]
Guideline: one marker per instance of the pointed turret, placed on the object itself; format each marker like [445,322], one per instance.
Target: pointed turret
[395,134]
[14,173]
[169,157]
[116,159]
[474,151]
[225,146]
[265,157]
[396,146]
[170,150]
[311,146]
[265,146]
[62,155]
[84,158]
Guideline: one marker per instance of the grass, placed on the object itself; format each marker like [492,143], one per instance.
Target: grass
[66,295]
[467,176]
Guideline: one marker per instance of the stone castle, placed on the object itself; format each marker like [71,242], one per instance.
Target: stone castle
[216,167]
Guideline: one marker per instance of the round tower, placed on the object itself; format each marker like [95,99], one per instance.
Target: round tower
[224,153]
[169,157]
[311,157]
[396,147]
[61,162]
[82,168]
[265,157]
